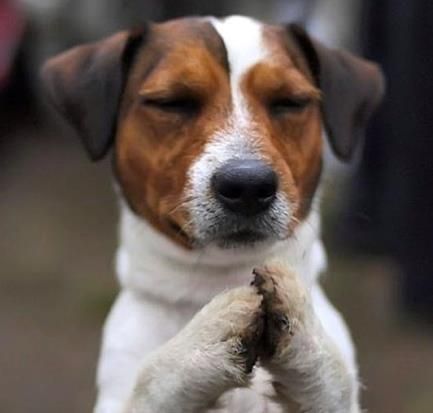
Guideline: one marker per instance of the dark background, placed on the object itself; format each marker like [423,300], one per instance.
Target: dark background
[58,212]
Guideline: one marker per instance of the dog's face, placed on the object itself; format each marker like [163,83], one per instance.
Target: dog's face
[217,123]
[219,138]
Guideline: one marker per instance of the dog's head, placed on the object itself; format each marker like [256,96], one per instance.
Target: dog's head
[216,124]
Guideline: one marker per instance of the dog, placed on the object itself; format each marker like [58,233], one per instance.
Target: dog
[218,128]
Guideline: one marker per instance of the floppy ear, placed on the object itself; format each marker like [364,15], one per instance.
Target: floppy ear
[85,85]
[351,89]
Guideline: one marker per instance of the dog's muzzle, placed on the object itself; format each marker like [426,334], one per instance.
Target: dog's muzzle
[239,203]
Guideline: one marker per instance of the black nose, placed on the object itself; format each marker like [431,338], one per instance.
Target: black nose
[246,187]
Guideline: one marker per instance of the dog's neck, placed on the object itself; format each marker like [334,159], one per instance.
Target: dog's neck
[148,263]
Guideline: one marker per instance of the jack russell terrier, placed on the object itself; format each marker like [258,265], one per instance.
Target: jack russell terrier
[217,128]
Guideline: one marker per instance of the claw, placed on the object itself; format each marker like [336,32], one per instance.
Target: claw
[283,321]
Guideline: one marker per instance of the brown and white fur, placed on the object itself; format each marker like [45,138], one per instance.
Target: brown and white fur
[192,329]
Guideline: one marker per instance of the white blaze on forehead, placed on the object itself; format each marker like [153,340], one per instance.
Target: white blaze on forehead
[243,40]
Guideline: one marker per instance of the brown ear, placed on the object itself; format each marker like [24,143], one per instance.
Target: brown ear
[85,85]
[351,89]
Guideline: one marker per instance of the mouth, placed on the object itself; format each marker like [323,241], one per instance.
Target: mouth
[241,238]
[238,238]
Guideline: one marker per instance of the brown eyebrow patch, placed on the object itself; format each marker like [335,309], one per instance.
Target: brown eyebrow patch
[195,75]
[186,44]
[280,78]
[284,49]
[284,71]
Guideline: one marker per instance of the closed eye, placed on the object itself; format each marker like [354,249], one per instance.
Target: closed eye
[281,106]
[177,105]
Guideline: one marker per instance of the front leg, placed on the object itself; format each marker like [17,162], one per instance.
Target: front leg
[311,375]
[215,352]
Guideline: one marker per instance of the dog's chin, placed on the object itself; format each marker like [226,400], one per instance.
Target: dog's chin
[245,239]
[242,240]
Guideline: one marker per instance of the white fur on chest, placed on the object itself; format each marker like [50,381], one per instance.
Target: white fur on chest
[163,286]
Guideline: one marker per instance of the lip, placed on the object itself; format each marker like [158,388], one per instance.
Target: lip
[245,237]
[241,238]
[179,232]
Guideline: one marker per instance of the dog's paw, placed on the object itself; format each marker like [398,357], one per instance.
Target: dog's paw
[229,330]
[286,305]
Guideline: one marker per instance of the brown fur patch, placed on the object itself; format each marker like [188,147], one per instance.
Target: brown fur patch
[154,149]
[292,141]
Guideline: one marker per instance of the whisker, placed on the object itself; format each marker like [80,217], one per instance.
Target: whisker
[182,204]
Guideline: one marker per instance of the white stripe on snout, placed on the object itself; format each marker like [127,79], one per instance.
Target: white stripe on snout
[243,41]
[237,136]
